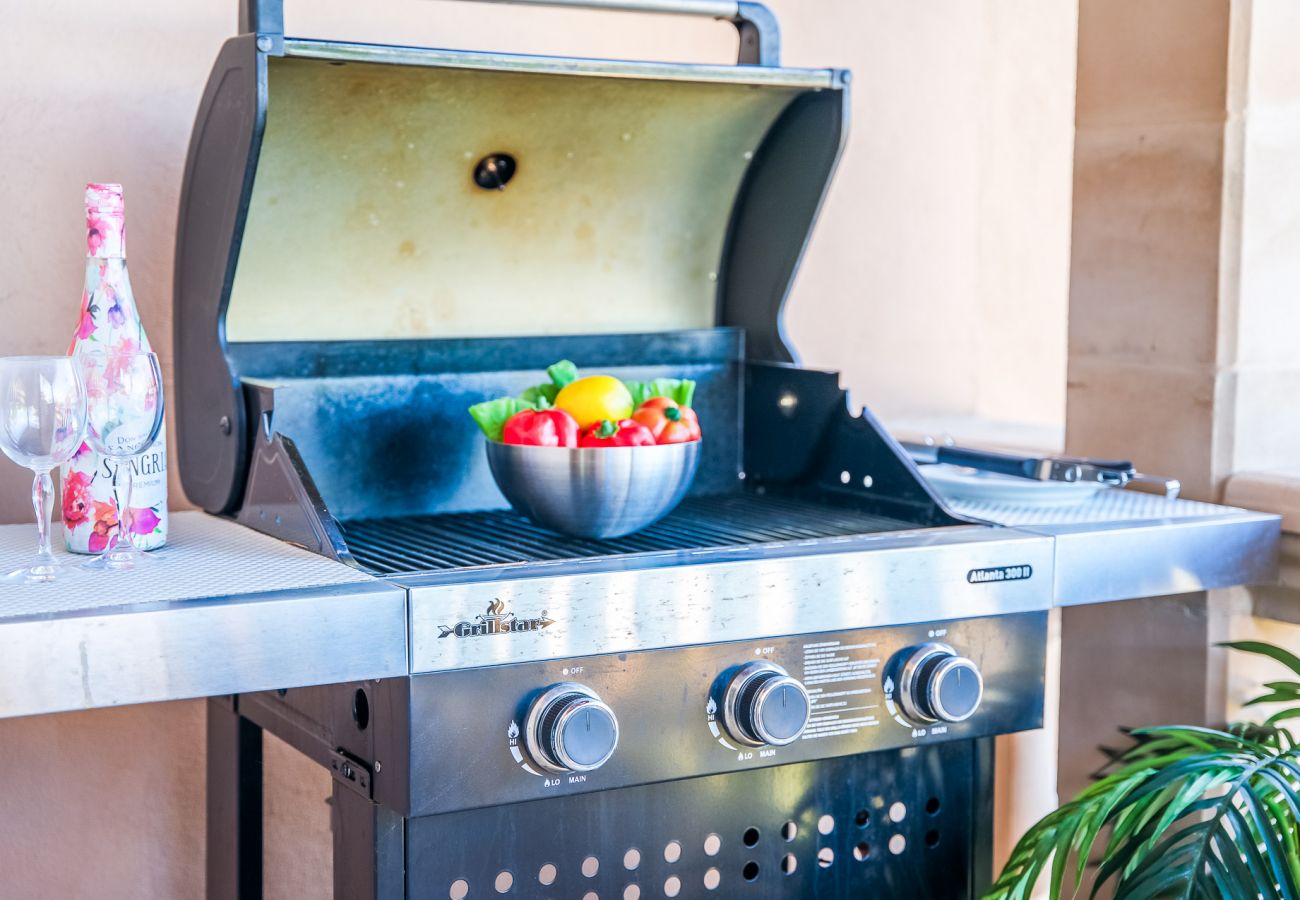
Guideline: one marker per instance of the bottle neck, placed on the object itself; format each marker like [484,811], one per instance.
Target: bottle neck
[105,234]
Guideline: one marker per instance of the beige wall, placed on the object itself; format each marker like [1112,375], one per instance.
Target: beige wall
[942,251]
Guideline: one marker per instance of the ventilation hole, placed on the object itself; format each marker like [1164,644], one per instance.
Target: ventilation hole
[632,892]
[546,874]
[862,819]
[825,857]
[897,844]
[789,831]
[672,851]
[932,839]
[712,844]
[789,864]
[673,886]
[505,881]
[826,824]
[751,837]
[361,709]
[590,866]
[932,805]
[845,477]
[591,895]
[897,812]
[750,872]
[712,878]
[632,859]
[862,851]
[867,481]
[459,889]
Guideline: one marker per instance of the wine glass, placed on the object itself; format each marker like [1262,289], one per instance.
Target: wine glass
[124,412]
[42,417]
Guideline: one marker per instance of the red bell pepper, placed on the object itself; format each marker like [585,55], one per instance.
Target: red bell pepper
[625,433]
[541,428]
[667,421]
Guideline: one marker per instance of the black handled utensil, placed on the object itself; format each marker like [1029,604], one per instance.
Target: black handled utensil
[1069,469]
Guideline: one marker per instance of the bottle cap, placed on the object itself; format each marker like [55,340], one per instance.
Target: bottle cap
[104,198]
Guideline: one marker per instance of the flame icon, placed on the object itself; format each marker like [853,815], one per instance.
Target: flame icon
[513,731]
[711,708]
[496,607]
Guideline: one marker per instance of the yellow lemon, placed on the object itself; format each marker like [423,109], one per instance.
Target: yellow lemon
[594,398]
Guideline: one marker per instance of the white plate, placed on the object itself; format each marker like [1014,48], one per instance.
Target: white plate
[962,485]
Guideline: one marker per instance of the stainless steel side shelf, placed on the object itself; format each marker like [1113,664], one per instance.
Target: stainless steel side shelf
[1122,545]
[225,610]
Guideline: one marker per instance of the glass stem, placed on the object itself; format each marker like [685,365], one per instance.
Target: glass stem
[122,497]
[43,503]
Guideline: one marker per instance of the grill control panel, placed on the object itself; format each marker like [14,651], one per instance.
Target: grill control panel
[511,733]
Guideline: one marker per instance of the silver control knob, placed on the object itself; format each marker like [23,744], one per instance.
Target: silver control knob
[569,729]
[764,706]
[937,685]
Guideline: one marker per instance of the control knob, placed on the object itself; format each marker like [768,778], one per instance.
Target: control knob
[569,729]
[937,685]
[764,706]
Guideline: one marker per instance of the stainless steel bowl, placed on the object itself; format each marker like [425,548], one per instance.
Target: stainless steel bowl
[596,492]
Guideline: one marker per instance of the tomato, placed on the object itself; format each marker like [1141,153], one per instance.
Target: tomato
[595,398]
[668,422]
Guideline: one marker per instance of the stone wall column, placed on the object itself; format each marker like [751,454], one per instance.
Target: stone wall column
[1184,315]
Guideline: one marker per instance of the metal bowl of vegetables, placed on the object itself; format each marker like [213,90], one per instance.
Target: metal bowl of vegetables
[593,457]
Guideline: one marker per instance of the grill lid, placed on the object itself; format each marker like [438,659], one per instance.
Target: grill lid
[341,191]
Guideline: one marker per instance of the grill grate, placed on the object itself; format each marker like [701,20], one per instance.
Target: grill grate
[411,544]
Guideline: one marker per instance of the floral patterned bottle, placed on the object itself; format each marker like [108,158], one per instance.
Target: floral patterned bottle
[109,321]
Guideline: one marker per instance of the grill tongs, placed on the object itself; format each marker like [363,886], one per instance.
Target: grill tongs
[1070,469]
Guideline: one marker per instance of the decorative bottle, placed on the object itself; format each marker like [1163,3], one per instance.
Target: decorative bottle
[110,322]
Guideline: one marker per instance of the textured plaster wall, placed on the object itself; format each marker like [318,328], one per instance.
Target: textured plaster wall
[942,250]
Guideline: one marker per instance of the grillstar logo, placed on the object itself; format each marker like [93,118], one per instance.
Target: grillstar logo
[495,621]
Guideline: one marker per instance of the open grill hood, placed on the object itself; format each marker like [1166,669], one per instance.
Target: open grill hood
[373,238]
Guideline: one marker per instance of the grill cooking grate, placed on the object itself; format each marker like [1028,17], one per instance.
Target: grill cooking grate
[502,537]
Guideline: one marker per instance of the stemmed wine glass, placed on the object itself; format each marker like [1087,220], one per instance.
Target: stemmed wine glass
[42,417]
[124,412]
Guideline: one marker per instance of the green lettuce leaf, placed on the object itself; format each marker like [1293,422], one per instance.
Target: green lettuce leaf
[562,373]
[540,396]
[681,390]
[491,415]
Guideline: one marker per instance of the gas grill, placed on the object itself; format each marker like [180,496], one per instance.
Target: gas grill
[788,687]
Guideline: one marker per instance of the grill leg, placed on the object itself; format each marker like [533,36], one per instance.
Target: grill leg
[234,864]
[982,816]
[369,848]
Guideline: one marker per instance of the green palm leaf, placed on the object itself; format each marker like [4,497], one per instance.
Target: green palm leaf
[1185,812]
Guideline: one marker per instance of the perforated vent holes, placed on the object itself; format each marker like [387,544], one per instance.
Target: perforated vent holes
[884,817]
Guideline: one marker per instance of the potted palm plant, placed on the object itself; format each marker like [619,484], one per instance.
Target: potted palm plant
[1184,812]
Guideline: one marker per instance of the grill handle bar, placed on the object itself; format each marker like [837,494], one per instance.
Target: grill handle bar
[760,34]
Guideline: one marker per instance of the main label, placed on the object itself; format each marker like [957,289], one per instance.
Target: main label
[495,621]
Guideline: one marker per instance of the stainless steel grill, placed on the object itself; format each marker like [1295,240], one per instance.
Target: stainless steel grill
[336,315]
[417,544]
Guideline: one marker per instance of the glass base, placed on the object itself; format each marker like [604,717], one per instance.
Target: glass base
[115,560]
[40,572]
